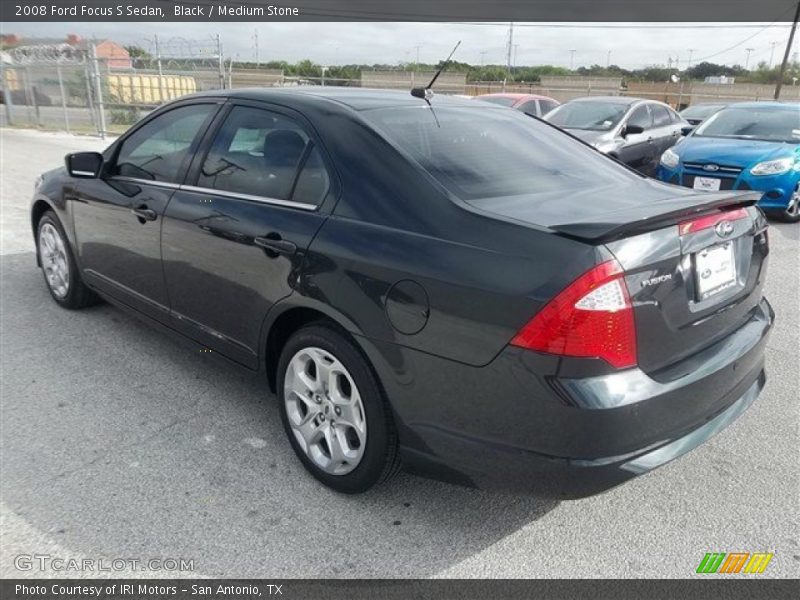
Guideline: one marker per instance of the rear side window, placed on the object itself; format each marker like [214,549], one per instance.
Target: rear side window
[641,117]
[660,115]
[158,149]
[490,154]
[260,153]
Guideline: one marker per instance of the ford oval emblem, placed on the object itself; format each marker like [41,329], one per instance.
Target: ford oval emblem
[711,167]
[724,228]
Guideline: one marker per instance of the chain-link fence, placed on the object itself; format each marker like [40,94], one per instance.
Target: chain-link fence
[99,88]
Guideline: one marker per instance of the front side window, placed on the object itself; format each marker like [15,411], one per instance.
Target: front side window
[484,155]
[529,108]
[589,115]
[157,150]
[547,106]
[261,153]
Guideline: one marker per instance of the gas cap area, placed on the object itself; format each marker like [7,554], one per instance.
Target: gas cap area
[407,307]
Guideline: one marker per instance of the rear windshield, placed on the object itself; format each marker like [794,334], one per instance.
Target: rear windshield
[764,124]
[482,154]
[594,116]
[501,100]
[700,111]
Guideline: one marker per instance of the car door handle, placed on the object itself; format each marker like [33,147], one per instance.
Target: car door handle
[275,243]
[148,214]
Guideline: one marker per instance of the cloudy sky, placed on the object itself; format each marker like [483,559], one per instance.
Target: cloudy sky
[631,45]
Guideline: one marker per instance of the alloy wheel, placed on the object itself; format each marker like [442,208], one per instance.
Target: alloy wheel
[793,209]
[325,411]
[53,255]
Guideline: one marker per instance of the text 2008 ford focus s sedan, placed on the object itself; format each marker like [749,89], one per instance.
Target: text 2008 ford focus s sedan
[460,289]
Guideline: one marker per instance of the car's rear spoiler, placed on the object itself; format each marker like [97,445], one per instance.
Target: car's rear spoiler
[651,216]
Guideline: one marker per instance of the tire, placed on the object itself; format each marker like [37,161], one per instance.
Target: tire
[60,271]
[792,212]
[322,377]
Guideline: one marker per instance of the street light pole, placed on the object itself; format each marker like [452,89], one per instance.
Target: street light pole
[747,60]
[779,85]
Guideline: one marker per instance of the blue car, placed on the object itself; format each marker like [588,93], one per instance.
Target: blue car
[747,146]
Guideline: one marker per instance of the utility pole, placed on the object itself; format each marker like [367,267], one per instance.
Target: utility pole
[782,71]
[747,60]
[516,47]
[772,52]
[220,63]
[416,64]
[509,48]
[255,44]
[691,51]
[571,60]
[608,59]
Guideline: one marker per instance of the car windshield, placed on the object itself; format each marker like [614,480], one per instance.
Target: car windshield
[480,154]
[594,116]
[701,111]
[769,124]
[501,100]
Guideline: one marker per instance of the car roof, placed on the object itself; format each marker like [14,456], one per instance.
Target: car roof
[615,99]
[767,104]
[355,98]
[515,96]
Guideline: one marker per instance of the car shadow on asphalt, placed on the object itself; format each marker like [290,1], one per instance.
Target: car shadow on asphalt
[120,442]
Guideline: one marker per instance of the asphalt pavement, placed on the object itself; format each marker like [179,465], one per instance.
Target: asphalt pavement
[118,442]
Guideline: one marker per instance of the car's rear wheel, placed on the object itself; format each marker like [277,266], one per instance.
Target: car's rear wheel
[58,265]
[334,411]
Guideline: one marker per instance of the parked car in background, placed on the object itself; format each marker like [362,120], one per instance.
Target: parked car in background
[632,130]
[746,146]
[697,113]
[531,104]
[459,287]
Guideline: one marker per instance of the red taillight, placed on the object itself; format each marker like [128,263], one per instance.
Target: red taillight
[591,318]
[707,221]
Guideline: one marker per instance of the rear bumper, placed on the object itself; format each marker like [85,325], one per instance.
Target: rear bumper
[516,425]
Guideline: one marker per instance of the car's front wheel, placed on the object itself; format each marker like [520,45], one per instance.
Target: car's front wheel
[792,212]
[334,412]
[58,265]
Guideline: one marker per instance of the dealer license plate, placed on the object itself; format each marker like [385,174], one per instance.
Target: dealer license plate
[715,269]
[708,184]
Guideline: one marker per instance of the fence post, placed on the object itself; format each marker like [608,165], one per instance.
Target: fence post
[7,91]
[63,97]
[99,91]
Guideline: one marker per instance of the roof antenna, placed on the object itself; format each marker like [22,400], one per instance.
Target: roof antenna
[426,93]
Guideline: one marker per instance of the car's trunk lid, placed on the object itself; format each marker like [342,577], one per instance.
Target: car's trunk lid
[690,286]
[693,282]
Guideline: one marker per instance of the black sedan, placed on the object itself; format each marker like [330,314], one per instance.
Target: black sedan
[697,113]
[462,290]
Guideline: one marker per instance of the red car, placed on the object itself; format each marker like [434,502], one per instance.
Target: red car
[530,104]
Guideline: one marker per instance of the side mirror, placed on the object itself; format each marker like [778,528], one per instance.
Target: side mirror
[86,165]
[631,129]
[687,129]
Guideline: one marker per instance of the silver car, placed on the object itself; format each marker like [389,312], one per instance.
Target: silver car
[632,130]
